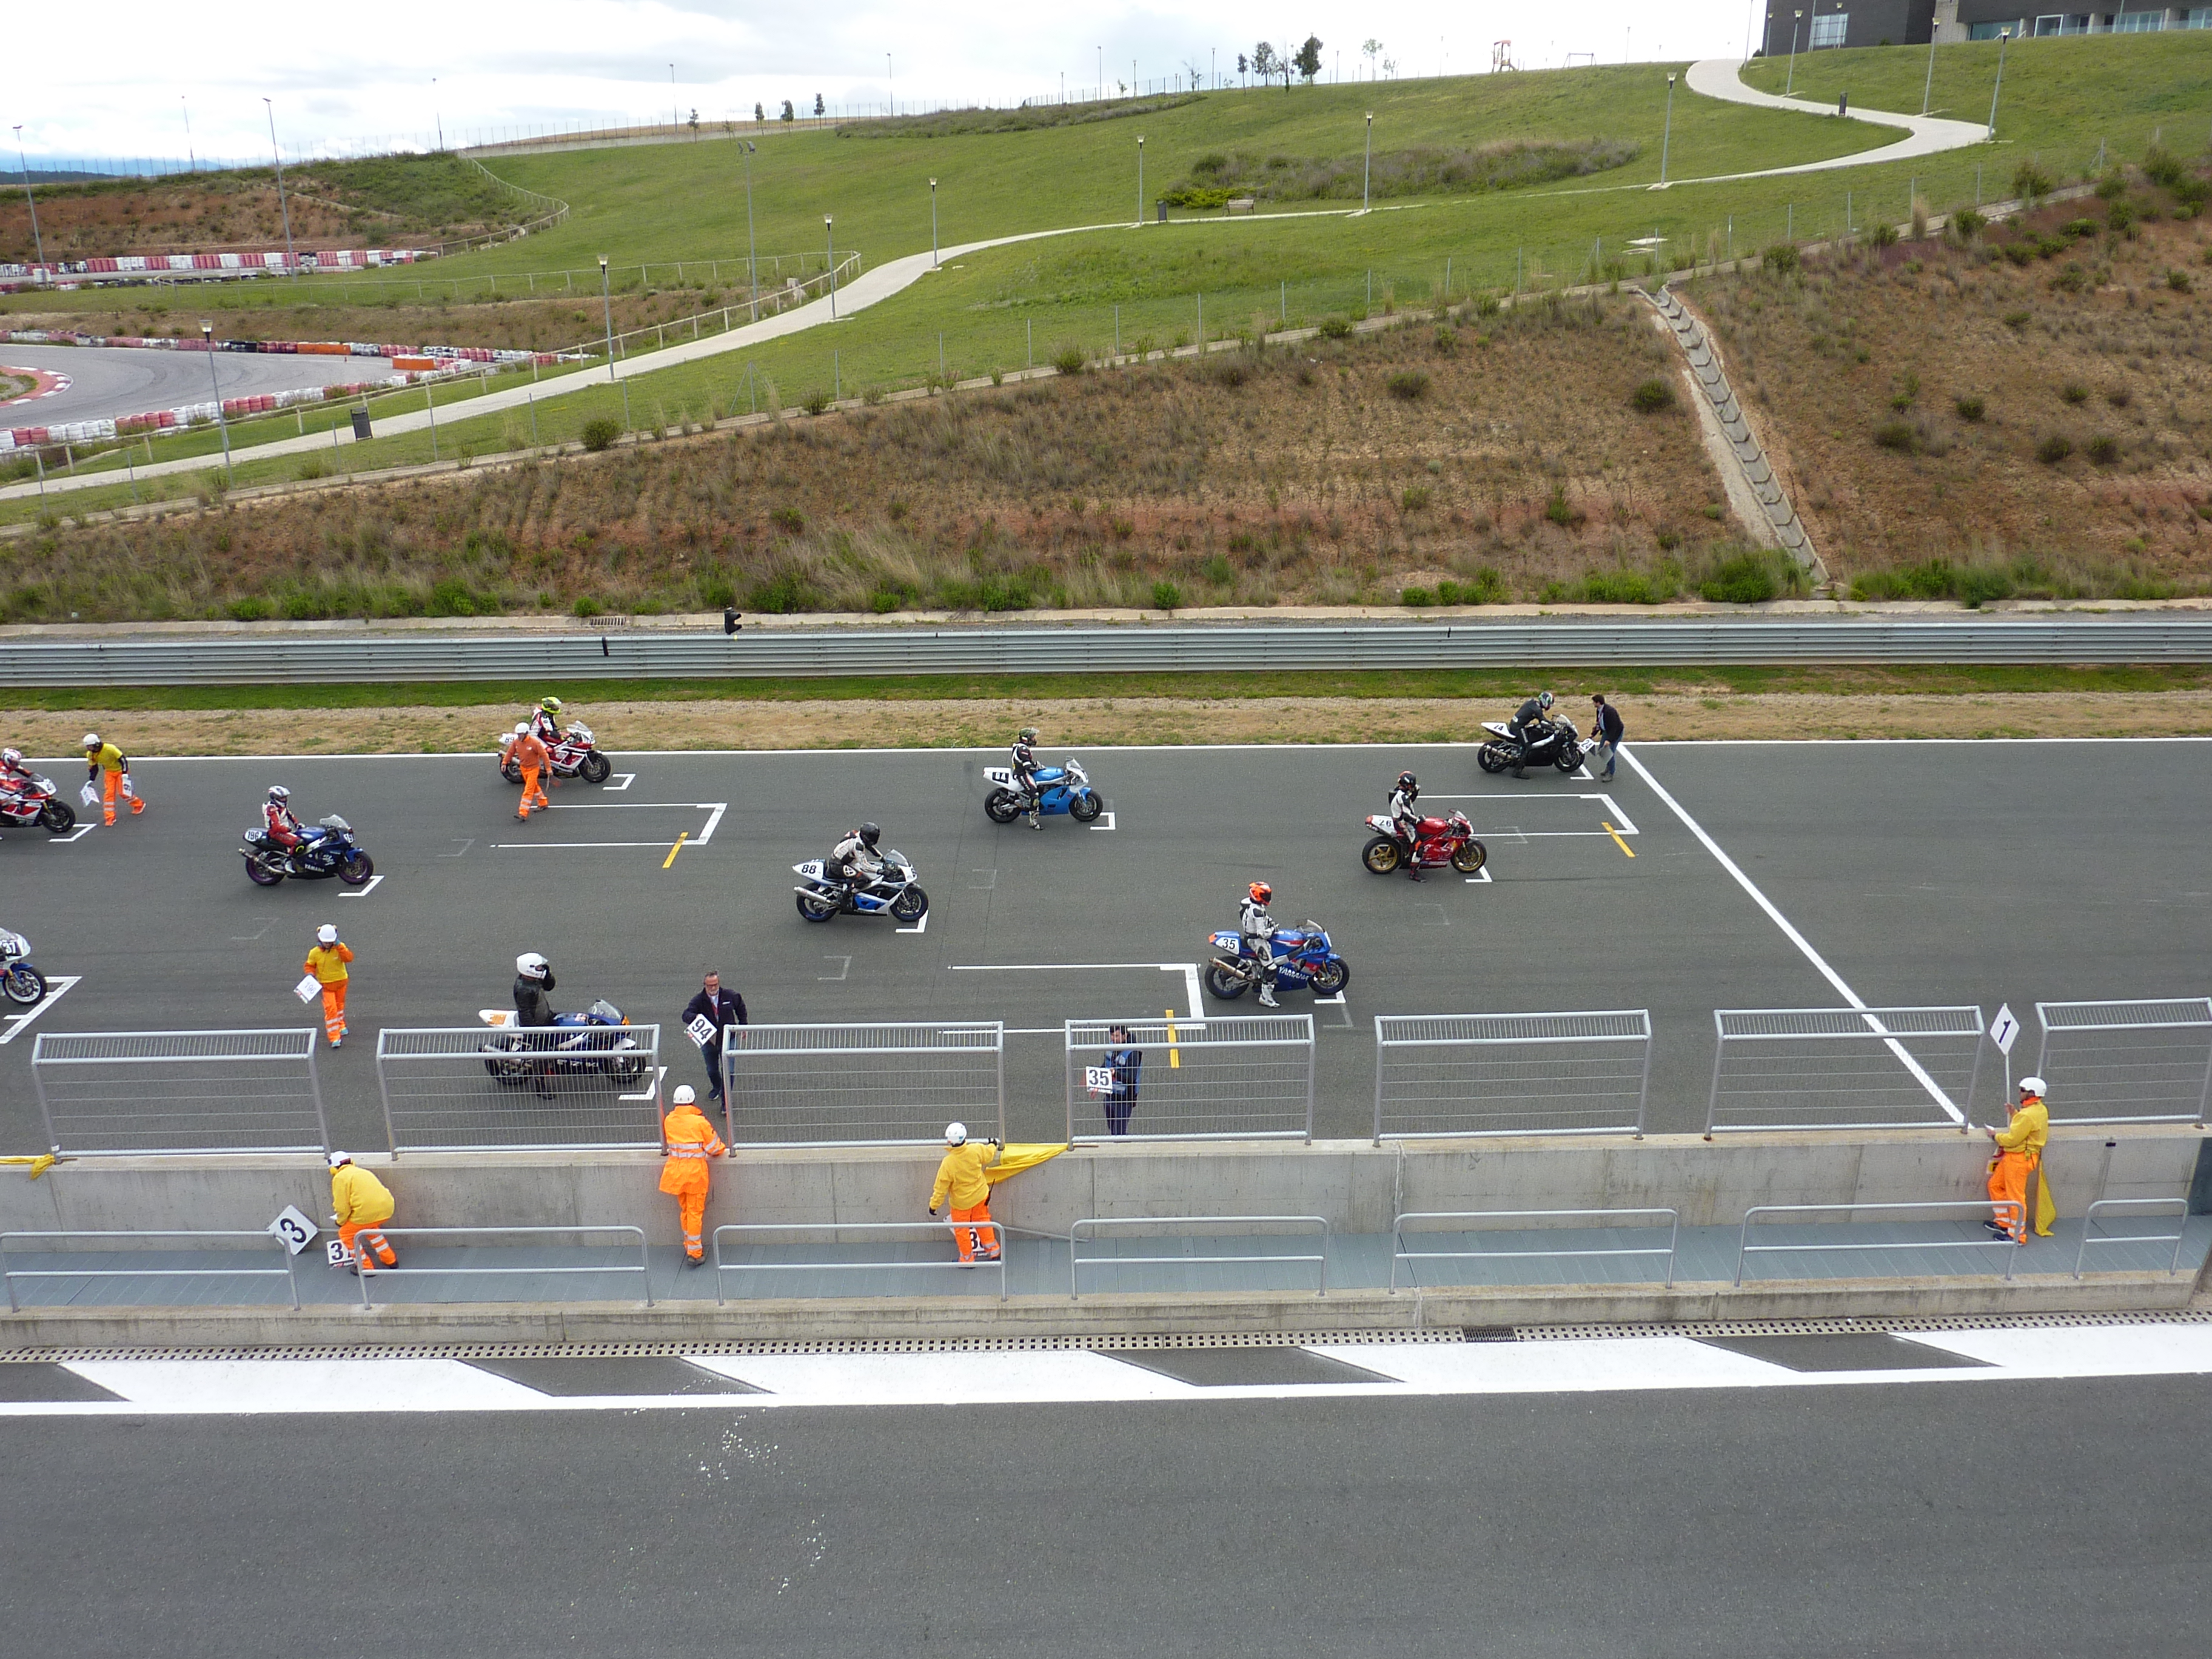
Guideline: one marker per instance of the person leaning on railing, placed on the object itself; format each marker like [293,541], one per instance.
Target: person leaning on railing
[691,1140]
[960,1177]
[2019,1160]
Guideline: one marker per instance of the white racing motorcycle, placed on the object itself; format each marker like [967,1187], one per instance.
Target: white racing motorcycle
[896,893]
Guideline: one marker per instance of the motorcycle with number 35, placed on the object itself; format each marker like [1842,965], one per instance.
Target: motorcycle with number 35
[1305,960]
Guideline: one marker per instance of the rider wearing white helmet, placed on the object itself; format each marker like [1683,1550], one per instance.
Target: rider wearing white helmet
[533,978]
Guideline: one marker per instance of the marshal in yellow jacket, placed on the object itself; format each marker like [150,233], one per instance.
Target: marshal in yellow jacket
[357,1195]
[961,1174]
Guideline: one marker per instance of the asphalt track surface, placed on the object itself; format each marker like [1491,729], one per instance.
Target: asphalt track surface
[1919,873]
[2060,1518]
[105,381]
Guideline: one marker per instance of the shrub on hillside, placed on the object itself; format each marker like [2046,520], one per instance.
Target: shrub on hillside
[1408,384]
[1652,397]
[1166,596]
[2030,182]
[1966,224]
[1740,579]
[1070,360]
[600,432]
[1898,435]
[1970,407]
[1334,328]
[1487,587]
[2054,449]
[1415,498]
[2104,449]
[1781,259]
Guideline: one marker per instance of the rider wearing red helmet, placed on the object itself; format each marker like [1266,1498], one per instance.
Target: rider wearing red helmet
[1258,928]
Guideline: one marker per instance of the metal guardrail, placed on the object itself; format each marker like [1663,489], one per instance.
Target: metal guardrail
[520,1089]
[416,1271]
[2090,1220]
[2011,1247]
[173,1093]
[921,1229]
[2147,1060]
[1134,648]
[1400,1252]
[1247,1077]
[1155,1224]
[244,1240]
[889,1084]
[1446,1075]
[1842,1068]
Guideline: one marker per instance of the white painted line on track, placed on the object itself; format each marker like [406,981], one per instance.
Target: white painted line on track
[374,882]
[843,970]
[713,809]
[77,833]
[921,927]
[1108,822]
[946,1379]
[1187,969]
[1481,875]
[1919,1072]
[57,988]
[304,1385]
[612,788]
[652,1092]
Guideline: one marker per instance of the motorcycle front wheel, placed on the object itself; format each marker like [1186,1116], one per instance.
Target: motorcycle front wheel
[1470,858]
[511,772]
[60,817]
[24,984]
[1382,855]
[356,870]
[596,768]
[1086,807]
[1570,758]
[260,874]
[1493,757]
[1223,983]
[1331,977]
[1002,806]
[911,905]
[815,909]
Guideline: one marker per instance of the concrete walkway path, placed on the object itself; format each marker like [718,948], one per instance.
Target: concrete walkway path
[1925,135]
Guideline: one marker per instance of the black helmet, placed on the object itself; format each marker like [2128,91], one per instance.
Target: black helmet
[870,835]
[1410,784]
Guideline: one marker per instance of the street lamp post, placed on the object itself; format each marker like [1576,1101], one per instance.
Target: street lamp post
[191,161]
[291,261]
[607,307]
[1794,17]
[207,339]
[1141,182]
[1666,137]
[675,112]
[829,237]
[2004,38]
[933,224]
[1367,164]
[890,86]
[437,114]
[747,149]
[1928,91]
[37,241]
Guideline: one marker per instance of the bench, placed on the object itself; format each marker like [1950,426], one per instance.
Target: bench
[1240,204]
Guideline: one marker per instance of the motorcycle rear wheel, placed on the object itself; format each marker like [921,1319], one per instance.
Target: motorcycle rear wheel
[60,817]
[1470,858]
[1331,977]
[814,908]
[1493,757]
[911,906]
[356,870]
[24,984]
[1086,807]
[1002,806]
[1223,984]
[260,874]
[1382,855]
[595,768]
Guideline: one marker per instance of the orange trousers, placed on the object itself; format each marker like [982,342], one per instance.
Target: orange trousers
[692,1206]
[334,1025]
[533,793]
[970,1238]
[363,1236]
[2009,1179]
[137,802]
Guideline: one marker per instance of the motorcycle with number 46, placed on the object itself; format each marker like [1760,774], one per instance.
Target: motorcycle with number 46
[1437,841]
[896,893]
[333,853]
[1305,960]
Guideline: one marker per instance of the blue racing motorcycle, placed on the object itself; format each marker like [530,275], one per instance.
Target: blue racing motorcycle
[327,850]
[1060,789]
[1305,960]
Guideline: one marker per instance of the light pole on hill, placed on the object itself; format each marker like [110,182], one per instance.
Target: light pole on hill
[437,114]
[288,258]
[829,237]
[37,241]
[1795,18]
[747,149]
[607,306]
[1667,137]
[1928,91]
[1141,181]
[933,224]
[2004,38]
[1367,165]
[207,340]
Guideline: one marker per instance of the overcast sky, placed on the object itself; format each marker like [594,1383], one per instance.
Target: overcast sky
[347,73]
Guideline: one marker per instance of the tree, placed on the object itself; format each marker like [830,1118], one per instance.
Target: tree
[1263,60]
[1243,66]
[817,103]
[788,114]
[695,124]
[759,114]
[1308,62]
[1373,49]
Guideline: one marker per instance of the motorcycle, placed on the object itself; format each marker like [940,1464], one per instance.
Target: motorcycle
[1557,743]
[333,853]
[1305,959]
[896,893]
[38,802]
[1058,789]
[575,755]
[593,1043]
[1435,841]
[23,983]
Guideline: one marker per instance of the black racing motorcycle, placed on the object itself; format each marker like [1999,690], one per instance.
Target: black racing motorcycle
[1551,743]
[333,853]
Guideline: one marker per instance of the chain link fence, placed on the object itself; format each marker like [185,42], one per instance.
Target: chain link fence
[892,1084]
[1842,1068]
[1577,1073]
[121,1093]
[2126,1063]
[554,1088]
[1239,1078]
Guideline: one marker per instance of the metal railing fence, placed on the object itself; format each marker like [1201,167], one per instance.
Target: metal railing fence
[245,1243]
[160,1093]
[552,1088]
[1607,1217]
[890,1085]
[1164,1226]
[416,1270]
[1842,1068]
[2178,1206]
[1505,1074]
[2142,1062]
[886,1231]
[2011,1247]
[800,652]
[1222,1078]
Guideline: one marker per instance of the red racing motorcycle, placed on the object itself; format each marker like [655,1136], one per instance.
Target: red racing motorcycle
[575,755]
[1437,842]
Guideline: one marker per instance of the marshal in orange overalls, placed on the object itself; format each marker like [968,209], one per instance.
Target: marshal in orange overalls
[691,1142]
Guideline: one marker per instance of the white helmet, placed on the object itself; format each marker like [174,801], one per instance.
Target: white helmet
[683,1095]
[955,1134]
[327,933]
[2032,1085]
[522,728]
[11,757]
[91,740]
[338,1158]
[531,965]
[278,792]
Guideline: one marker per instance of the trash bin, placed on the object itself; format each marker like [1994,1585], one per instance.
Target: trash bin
[361,432]
[1163,207]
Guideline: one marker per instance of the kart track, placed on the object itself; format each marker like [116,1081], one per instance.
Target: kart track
[1913,873]
[108,381]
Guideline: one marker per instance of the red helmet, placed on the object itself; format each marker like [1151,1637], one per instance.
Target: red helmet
[1260,892]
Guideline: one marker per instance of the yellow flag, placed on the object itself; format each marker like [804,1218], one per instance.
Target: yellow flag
[1020,1156]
